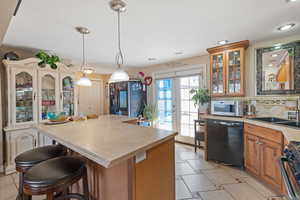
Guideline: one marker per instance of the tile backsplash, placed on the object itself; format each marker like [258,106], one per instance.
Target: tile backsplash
[277,106]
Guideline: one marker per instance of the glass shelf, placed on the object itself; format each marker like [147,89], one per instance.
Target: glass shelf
[68,96]
[48,95]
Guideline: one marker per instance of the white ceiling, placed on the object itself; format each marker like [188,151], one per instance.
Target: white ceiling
[150,28]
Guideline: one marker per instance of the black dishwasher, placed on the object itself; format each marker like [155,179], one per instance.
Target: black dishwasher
[225,142]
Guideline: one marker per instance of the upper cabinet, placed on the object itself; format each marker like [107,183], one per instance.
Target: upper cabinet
[33,91]
[227,65]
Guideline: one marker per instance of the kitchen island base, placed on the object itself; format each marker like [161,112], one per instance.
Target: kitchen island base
[150,179]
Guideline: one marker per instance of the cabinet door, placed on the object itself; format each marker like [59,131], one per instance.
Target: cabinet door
[24,104]
[68,96]
[217,70]
[252,158]
[48,94]
[270,152]
[235,72]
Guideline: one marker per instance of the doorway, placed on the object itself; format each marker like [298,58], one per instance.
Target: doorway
[175,108]
[91,99]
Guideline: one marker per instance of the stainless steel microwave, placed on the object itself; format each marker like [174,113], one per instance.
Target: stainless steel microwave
[227,108]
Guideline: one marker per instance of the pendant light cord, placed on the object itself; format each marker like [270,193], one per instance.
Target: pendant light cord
[83,52]
[119,56]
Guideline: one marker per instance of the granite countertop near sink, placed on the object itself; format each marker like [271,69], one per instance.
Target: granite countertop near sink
[106,140]
[291,134]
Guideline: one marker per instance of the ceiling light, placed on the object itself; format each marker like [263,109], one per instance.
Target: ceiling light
[119,75]
[270,65]
[286,27]
[222,42]
[277,46]
[88,70]
[289,1]
[178,53]
[151,59]
[274,55]
[84,80]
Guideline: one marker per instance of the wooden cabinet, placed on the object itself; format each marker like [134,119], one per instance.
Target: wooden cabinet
[227,66]
[263,147]
[251,153]
[17,142]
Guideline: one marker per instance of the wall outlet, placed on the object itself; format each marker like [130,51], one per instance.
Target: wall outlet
[140,157]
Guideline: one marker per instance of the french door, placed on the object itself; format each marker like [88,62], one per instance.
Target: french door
[175,109]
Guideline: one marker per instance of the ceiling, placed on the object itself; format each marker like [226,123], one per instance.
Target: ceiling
[150,28]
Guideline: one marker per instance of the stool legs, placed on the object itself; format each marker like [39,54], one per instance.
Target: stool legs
[85,185]
[21,195]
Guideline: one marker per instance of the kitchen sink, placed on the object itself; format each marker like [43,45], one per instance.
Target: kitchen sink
[270,119]
[290,123]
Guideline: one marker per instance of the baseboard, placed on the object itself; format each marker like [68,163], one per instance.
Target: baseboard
[9,170]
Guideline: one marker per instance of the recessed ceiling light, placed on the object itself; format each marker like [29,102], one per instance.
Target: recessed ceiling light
[274,55]
[222,42]
[286,27]
[178,53]
[270,65]
[291,1]
[277,46]
[151,59]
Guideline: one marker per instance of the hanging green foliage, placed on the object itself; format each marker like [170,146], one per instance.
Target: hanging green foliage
[47,59]
[149,112]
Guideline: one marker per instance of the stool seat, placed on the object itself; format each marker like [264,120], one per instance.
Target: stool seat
[35,156]
[56,171]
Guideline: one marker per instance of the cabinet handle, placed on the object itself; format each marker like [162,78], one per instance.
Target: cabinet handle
[34,95]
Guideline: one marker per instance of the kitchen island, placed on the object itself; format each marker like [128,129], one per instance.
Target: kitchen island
[124,161]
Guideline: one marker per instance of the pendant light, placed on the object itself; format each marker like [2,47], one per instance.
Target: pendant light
[119,75]
[85,69]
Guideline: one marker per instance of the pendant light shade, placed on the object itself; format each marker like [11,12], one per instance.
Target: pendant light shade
[84,80]
[119,75]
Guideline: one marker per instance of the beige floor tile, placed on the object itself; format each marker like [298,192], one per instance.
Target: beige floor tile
[235,172]
[6,181]
[200,164]
[184,169]
[259,187]
[219,176]
[243,191]
[8,192]
[182,191]
[198,183]
[216,195]
[189,155]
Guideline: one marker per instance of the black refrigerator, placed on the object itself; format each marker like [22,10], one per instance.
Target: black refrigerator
[127,98]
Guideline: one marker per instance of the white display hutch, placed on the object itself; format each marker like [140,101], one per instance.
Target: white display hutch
[31,92]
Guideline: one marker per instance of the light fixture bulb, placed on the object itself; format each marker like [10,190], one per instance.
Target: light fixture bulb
[119,76]
[88,70]
[84,81]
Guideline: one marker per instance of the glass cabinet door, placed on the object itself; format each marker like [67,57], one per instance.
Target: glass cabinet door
[48,95]
[24,97]
[234,71]
[68,95]
[217,81]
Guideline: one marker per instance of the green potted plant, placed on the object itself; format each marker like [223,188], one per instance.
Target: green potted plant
[47,59]
[149,113]
[201,98]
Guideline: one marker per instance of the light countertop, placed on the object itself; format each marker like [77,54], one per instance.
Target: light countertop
[291,134]
[106,140]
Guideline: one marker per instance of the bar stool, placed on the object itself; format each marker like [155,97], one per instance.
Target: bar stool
[28,159]
[56,176]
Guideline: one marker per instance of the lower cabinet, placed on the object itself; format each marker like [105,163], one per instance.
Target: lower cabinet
[17,142]
[262,154]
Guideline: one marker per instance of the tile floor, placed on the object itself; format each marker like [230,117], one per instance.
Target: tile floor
[195,179]
[198,179]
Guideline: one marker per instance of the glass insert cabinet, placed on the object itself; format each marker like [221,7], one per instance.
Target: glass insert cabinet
[35,91]
[227,66]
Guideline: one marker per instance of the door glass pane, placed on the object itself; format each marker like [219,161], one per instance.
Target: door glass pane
[188,111]
[68,96]
[234,71]
[24,97]
[164,103]
[217,74]
[48,95]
